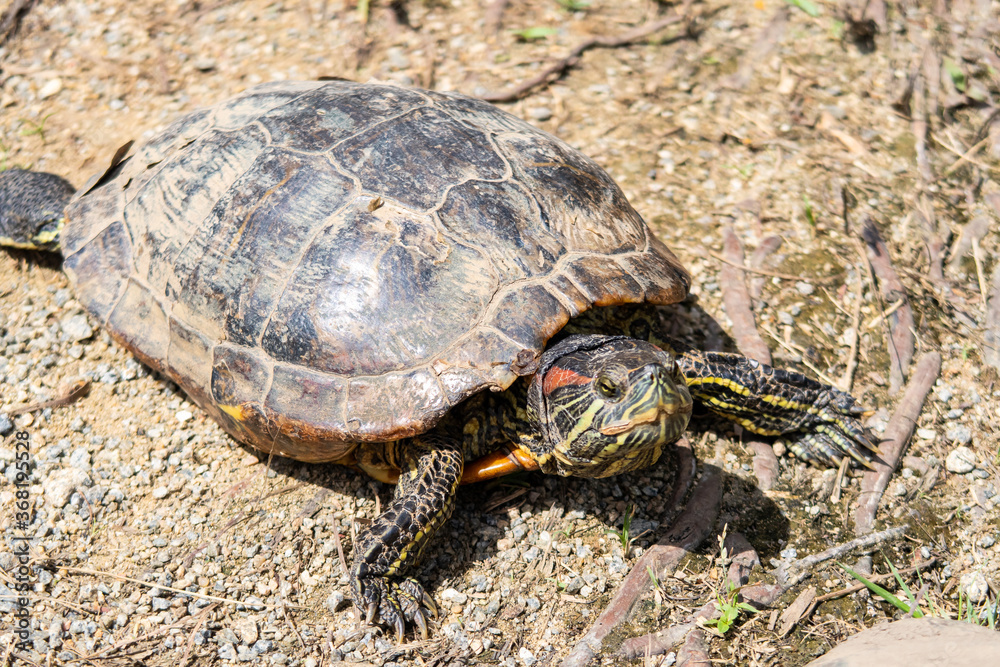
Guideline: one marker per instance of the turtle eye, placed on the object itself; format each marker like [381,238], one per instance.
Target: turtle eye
[607,387]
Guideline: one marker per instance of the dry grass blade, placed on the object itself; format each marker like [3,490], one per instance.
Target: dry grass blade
[991,333]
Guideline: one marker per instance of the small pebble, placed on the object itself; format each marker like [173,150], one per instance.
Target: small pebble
[959,434]
[526,656]
[540,113]
[960,461]
[227,652]
[453,596]
[804,288]
[51,87]
[76,328]
[975,586]
[183,415]
[61,484]
[80,458]
[6,425]
[334,600]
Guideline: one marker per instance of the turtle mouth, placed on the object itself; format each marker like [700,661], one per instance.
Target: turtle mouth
[664,411]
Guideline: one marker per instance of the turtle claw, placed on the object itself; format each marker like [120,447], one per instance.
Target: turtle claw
[833,430]
[394,603]
[421,622]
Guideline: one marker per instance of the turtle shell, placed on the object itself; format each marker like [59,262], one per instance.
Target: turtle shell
[319,264]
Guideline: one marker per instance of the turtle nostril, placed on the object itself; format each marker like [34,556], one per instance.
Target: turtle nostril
[656,372]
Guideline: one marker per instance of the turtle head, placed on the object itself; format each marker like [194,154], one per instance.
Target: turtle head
[31,209]
[605,405]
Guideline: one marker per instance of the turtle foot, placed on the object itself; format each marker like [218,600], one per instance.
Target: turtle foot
[395,603]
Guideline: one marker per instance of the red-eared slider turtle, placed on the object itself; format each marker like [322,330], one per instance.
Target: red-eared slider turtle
[337,271]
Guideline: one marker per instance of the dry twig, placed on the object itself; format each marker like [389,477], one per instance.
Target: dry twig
[493,17]
[901,340]
[11,19]
[690,529]
[897,435]
[557,69]
[68,393]
[736,301]
[744,559]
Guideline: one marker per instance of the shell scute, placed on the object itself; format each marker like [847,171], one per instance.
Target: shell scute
[502,220]
[415,158]
[363,300]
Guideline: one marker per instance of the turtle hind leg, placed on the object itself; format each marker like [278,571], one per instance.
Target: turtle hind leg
[31,208]
[430,471]
[820,422]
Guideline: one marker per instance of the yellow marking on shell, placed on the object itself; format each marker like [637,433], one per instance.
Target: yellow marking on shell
[234,411]
[471,427]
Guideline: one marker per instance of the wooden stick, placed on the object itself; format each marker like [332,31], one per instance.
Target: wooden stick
[557,69]
[736,301]
[897,435]
[690,529]
[901,340]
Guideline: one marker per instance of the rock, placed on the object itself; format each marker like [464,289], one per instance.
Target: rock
[227,652]
[916,641]
[526,656]
[975,586]
[334,601]
[61,484]
[453,596]
[540,113]
[80,458]
[959,434]
[247,630]
[76,328]
[397,58]
[960,461]
[51,87]
[6,425]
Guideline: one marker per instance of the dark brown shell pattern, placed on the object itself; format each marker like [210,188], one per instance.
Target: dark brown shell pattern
[319,264]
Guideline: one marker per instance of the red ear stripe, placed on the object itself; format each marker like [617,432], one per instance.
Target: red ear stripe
[560,377]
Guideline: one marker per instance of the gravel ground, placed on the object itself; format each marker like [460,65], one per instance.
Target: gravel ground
[771,121]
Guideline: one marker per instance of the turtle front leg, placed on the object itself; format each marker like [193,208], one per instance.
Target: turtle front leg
[430,470]
[821,422]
